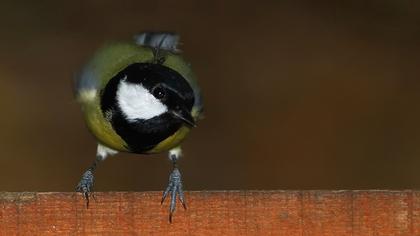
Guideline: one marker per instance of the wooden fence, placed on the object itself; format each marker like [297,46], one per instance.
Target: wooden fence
[214,213]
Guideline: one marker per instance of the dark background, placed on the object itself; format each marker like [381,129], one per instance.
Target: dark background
[298,94]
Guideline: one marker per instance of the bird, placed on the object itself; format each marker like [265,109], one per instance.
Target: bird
[141,97]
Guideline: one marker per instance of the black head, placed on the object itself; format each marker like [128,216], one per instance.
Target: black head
[146,103]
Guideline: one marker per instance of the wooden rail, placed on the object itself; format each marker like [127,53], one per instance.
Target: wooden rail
[214,213]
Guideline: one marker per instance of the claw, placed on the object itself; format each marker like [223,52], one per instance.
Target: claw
[87,199]
[85,186]
[172,204]
[174,188]
[181,197]
[165,193]
[182,200]
[93,196]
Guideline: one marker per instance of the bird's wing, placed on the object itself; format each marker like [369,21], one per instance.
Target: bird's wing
[106,63]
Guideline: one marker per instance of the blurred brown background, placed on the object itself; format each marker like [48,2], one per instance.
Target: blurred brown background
[298,94]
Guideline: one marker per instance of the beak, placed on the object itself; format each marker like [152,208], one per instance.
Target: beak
[185,115]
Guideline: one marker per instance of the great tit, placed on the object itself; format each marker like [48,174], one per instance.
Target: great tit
[139,97]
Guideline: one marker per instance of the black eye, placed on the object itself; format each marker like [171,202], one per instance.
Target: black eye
[159,93]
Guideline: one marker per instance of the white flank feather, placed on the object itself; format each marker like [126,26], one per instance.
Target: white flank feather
[104,152]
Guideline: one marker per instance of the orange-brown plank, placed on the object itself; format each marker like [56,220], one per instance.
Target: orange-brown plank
[214,213]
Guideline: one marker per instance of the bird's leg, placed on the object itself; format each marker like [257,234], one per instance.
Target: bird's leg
[175,184]
[86,183]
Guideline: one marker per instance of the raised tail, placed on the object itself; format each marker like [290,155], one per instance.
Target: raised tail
[159,40]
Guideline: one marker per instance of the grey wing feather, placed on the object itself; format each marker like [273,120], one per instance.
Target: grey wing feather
[85,80]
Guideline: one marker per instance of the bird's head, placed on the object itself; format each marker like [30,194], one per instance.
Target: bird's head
[148,101]
[146,91]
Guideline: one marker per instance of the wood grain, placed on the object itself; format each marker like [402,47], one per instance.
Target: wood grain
[214,213]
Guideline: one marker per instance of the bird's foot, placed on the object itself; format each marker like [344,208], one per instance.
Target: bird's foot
[174,188]
[85,186]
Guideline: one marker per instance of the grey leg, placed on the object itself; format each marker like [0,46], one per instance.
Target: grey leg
[86,183]
[175,184]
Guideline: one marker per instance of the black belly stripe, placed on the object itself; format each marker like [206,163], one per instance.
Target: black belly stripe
[143,135]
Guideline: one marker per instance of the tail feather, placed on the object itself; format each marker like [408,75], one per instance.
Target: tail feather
[161,40]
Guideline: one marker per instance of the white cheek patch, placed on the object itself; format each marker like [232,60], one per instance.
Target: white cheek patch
[136,102]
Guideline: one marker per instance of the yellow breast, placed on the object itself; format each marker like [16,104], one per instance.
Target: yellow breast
[172,141]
